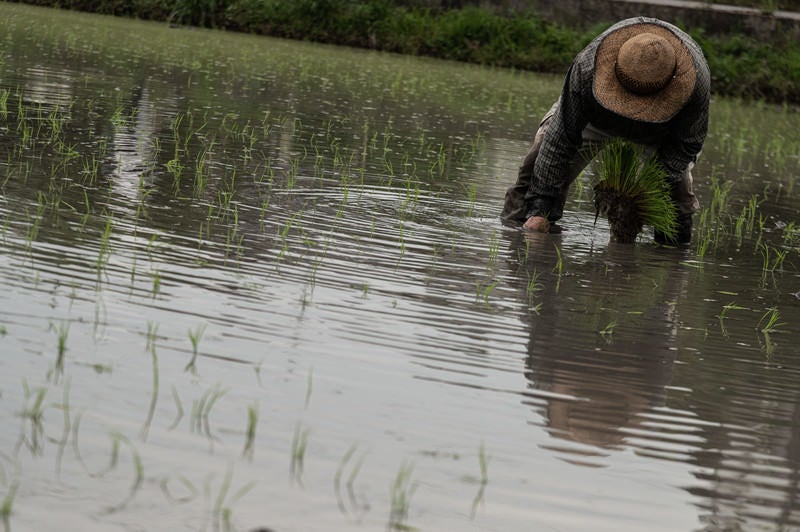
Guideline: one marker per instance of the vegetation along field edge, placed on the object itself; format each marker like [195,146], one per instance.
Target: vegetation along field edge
[741,66]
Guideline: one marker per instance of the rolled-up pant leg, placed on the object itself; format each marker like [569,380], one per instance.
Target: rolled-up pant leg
[683,196]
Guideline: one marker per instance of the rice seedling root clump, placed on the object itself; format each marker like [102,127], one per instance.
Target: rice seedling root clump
[632,192]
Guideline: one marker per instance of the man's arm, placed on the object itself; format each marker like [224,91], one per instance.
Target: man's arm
[688,129]
[560,145]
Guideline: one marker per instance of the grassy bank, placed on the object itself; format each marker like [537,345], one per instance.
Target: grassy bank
[740,66]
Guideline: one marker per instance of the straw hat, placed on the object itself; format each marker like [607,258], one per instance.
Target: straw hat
[644,72]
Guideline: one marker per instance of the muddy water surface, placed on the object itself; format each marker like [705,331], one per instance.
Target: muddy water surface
[256,283]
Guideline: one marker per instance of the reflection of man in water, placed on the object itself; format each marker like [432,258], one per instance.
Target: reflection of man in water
[602,348]
[643,80]
[592,392]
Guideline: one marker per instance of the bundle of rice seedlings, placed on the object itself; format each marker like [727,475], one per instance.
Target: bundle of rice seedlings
[632,192]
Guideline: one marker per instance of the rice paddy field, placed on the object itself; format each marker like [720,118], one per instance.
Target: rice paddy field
[253,284]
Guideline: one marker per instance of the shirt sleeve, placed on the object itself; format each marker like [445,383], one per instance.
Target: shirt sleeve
[689,128]
[686,137]
[562,140]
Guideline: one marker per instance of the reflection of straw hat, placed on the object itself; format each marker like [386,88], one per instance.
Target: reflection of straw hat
[644,72]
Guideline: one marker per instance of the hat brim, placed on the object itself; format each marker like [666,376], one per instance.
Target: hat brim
[656,107]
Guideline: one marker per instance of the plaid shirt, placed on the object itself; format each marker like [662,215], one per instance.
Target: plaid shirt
[678,140]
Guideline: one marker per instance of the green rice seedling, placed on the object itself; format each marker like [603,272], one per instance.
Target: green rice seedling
[772,260]
[4,93]
[201,411]
[337,478]
[351,479]
[632,192]
[250,434]
[62,443]
[770,320]
[342,204]
[152,332]
[494,248]
[299,446]
[175,168]
[773,257]
[712,219]
[607,332]
[724,313]
[389,171]
[401,491]
[266,127]
[484,289]
[472,196]
[178,406]
[56,121]
[151,245]
[11,170]
[233,243]
[76,424]
[768,345]
[357,508]
[580,188]
[133,273]
[26,133]
[284,234]
[190,488]
[118,118]
[483,461]
[62,333]
[791,235]
[7,505]
[531,287]
[309,387]
[441,164]
[138,468]
[312,278]
[222,509]
[104,253]
[33,415]
[523,254]
[194,338]
[559,267]
[191,130]
[152,335]
[201,172]
[32,232]
[224,200]
[156,275]
[291,173]
[749,212]
[703,240]
[257,371]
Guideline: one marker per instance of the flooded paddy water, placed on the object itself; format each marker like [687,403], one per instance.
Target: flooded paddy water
[258,283]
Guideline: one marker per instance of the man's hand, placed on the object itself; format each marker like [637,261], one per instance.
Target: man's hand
[537,223]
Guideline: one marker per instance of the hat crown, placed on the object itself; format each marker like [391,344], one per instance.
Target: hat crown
[645,63]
